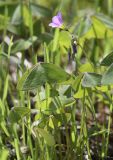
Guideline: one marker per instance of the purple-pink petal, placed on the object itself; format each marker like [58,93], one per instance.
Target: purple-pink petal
[53,25]
[59,15]
[55,20]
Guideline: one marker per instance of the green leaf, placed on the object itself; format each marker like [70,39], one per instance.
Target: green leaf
[4,54]
[14,29]
[40,74]
[47,136]
[36,10]
[106,20]
[102,88]
[82,26]
[4,154]
[65,39]
[91,80]
[40,11]
[3,20]
[108,60]
[51,124]
[22,44]
[80,92]
[65,101]
[98,30]
[11,5]
[17,113]
[17,17]
[87,67]
[68,116]
[45,37]
[76,82]
[107,78]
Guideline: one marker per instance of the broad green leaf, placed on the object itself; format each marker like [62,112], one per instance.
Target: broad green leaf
[17,113]
[108,60]
[98,30]
[65,39]
[87,67]
[36,10]
[106,20]
[22,44]
[40,74]
[14,29]
[17,17]
[22,111]
[47,136]
[107,78]
[4,154]
[91,80]
[40,11]
[82,27]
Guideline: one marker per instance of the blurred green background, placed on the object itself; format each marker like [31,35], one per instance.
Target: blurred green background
[25,40]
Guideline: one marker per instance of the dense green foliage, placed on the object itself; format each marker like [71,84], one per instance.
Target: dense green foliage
[56,97]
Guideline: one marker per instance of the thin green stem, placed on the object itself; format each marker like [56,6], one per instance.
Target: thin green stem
[109,125]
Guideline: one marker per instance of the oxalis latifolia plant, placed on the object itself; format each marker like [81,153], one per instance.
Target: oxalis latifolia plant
[57,22]
[56,131]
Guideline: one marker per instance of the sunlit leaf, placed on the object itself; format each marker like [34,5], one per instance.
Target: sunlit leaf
[80,93]
[4,154]
[65,39]
[87,67]
[98,30]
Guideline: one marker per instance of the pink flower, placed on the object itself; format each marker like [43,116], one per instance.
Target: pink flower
[57,21]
